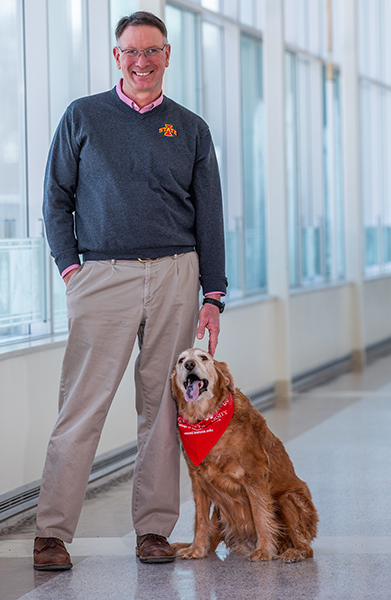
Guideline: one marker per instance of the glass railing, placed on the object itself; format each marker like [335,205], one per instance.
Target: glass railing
[22,281]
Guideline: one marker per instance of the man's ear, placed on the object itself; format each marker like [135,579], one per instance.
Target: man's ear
[223,368]
[168,52]
[116,54]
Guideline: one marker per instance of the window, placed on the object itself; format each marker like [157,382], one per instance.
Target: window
[68,59]
[292,170]
[247,12]
[21,258]
[13,221]
[313,149]
[118,9]
[68,77]
[213,86]
[182,76]
[333,178]
[32,299]
[211,4]
[253,165]
[375,107]
[203,89]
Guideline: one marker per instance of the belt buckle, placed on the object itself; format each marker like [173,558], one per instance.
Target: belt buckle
[143,260]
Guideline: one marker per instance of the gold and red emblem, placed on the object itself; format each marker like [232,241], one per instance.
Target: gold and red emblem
[168,130]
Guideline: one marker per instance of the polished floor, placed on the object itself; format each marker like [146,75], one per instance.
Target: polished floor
[338,436]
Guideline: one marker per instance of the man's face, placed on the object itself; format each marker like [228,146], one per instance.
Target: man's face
[142,76]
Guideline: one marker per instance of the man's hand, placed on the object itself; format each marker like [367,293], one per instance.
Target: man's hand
[209,318]
[67,277]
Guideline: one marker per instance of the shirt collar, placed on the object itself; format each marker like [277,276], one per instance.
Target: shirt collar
[132,104]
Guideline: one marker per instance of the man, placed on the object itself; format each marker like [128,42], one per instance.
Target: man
[131,184]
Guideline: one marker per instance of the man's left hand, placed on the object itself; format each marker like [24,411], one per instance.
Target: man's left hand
[209,318]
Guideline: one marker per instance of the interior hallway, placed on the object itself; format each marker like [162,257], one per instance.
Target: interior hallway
[338,436]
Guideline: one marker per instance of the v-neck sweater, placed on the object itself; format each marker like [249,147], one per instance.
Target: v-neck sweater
[120,184]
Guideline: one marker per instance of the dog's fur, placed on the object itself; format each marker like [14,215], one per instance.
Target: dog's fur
[260,506]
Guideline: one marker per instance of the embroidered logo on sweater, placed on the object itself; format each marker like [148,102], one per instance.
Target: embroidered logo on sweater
[168,130]
[199,438]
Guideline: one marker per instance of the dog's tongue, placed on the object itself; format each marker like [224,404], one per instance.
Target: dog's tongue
[193,390]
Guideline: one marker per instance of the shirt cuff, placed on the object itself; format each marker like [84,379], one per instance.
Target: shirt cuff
[210,293]
[65,271]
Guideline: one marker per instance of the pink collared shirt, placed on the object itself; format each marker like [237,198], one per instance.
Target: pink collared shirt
[132,104]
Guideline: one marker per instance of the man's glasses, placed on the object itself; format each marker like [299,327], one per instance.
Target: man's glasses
[134,53]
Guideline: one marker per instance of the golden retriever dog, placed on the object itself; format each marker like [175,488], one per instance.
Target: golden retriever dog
[260,506]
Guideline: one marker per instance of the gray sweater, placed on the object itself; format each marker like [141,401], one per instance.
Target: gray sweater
[118,187]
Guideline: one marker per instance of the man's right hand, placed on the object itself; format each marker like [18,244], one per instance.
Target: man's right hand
[67,277]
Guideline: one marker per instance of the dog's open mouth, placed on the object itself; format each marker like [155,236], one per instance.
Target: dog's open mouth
[194,386]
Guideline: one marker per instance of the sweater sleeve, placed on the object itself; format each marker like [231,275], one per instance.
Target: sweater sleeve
[206,195]
[59,193]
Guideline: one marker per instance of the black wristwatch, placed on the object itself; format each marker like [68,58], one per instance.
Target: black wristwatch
[220,305]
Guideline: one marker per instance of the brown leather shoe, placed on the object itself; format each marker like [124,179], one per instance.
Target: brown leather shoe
[152,548]
[50,554]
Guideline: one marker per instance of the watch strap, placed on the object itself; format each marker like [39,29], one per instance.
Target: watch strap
[220,305]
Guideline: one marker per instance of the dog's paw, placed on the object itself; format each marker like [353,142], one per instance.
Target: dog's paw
[293,555]
[192,552]
[179,546]
[260,555]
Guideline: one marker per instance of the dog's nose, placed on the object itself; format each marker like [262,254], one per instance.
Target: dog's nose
[190,365]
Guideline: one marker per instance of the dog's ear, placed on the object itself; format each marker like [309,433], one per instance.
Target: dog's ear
[229,380]
[175,389]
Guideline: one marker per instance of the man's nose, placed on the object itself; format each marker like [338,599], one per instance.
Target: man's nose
[141,60]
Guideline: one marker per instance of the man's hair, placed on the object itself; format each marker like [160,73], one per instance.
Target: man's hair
[140,18]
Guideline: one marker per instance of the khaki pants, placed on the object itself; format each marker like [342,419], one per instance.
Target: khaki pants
[109,304]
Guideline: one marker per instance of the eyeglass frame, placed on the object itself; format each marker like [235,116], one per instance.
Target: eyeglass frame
[127,52]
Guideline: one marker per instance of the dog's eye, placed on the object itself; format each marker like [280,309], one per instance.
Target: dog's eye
[180,361]
[203,357]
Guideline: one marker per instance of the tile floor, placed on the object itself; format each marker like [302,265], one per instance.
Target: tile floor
[338,436]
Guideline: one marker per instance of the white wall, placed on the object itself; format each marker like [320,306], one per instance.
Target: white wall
[29,395]
[377,309]
[247,344]
[320,327]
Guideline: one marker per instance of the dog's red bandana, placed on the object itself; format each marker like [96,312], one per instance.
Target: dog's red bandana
[199,438]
